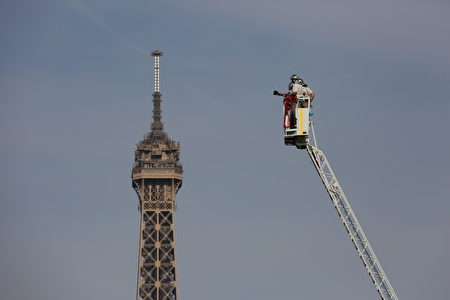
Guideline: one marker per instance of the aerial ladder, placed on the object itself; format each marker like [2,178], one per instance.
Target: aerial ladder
[299,115]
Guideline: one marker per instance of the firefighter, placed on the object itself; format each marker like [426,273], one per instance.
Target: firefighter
[302,90]
[290,102]
[294,79]
[306,91]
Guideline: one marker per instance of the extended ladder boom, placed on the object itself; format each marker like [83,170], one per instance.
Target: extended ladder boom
[351,223]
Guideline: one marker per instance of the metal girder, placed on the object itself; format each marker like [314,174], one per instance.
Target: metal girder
[157,276]
[350,222]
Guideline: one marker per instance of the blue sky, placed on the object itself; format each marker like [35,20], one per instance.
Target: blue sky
[253,220]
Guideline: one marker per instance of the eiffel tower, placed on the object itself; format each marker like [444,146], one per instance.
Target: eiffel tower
[157,176]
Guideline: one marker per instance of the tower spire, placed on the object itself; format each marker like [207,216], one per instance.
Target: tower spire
[157,176]
[157,126]
[157,54]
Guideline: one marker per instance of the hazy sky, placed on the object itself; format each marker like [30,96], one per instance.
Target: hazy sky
[253,219]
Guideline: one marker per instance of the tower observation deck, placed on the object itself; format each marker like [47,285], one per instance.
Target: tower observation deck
[157,176]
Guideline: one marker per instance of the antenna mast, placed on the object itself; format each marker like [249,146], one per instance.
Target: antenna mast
[156,54]
[157,125]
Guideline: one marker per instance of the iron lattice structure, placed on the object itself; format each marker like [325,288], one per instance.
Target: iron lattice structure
[157,175]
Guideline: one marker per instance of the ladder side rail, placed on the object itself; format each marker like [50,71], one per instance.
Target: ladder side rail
[351,224]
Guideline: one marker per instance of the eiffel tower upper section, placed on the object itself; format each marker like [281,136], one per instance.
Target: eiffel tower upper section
[157,155]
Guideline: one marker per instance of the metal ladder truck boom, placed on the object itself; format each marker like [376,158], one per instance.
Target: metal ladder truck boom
[296,127]
[351,224]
